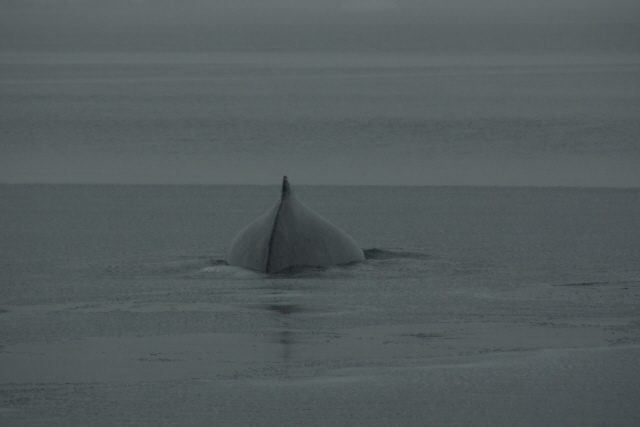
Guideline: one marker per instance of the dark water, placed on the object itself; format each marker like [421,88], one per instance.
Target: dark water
[116,299]
[530,235]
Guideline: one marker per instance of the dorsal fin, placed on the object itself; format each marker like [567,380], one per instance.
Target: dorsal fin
[286,189]
[290,234]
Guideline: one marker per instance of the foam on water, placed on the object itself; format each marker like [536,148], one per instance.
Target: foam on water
[231,272]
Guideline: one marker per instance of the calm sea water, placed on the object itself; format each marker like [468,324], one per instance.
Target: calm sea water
[65,244]
[71,244]
[496,237]
[86,264]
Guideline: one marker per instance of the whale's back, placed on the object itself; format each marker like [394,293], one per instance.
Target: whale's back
[291,234]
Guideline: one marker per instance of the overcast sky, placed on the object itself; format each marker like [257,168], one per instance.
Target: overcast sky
[498,9]
[110,24]
[375,27]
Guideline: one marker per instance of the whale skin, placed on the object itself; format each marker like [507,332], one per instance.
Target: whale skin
[291,234]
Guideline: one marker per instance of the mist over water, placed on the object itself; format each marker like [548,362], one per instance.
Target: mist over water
[356,92]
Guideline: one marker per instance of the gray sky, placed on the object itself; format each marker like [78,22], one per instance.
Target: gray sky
[49,104]
[110,24]
[496,9]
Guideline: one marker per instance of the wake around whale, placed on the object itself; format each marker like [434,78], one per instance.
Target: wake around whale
[291,235]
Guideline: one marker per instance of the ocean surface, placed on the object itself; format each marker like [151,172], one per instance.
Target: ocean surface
[476,306]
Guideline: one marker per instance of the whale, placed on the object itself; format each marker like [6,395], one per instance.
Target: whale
[289,235]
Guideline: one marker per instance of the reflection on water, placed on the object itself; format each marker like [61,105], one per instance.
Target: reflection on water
[284,310]
[286,337]
[289,297]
